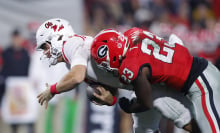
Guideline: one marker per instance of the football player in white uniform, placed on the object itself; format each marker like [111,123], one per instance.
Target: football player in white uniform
[60,44]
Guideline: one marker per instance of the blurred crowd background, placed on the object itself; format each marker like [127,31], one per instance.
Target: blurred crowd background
[23,75]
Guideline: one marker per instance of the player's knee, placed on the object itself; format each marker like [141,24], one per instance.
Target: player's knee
[183,119]
[173,110]
[162,105]
[158,104]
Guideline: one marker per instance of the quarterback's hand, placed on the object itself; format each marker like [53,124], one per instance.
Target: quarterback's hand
[45,96]
[105,97]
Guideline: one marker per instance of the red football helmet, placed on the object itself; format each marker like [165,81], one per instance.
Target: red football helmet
[109,48]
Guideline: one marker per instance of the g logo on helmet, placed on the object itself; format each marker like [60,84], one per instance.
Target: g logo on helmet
[102,51]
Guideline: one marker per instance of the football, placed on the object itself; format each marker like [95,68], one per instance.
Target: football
[91,89]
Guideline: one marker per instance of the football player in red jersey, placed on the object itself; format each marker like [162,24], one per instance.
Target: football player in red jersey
[55,39]
[142,58]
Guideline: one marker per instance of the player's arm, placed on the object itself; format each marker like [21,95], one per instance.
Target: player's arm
[77,73]
[142,88]
[73,78]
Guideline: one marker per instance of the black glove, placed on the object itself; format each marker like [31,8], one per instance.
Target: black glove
[126,104]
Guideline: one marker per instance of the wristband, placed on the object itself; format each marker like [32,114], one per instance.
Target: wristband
[114,100]
[53,89]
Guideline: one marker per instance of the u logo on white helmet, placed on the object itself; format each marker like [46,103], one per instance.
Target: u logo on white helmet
[102,51]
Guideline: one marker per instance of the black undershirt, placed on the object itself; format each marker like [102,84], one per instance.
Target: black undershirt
[198,66]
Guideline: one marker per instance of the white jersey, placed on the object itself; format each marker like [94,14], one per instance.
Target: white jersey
[76,50]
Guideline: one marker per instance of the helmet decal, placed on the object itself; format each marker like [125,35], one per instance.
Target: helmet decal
[48,24]
[54,31]
[102,51]
[61,27]
[119,45]
[53,26]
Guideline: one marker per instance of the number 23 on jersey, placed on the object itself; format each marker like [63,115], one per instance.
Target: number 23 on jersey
[127,75]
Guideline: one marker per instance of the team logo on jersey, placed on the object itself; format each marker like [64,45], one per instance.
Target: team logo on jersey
[102,51]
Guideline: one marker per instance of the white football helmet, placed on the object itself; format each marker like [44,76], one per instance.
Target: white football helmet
[54,31]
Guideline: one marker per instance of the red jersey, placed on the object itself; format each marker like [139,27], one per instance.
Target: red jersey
[169,63]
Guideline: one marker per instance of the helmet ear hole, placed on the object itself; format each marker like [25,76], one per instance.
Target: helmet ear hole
[48,42]
[43,46]
[105,41]
[60,38]
[114,59]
